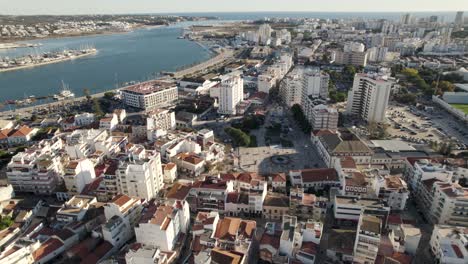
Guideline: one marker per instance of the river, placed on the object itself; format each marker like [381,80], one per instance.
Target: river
[134,56]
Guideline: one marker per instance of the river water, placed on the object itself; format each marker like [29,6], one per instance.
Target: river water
[133,56]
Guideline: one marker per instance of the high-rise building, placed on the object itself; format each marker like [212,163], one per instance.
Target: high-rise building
[292,86]
[141,177]
[406,19]
[316,83]
[459,18]
[264,34]
[231,93]
[150,95]
[369,96]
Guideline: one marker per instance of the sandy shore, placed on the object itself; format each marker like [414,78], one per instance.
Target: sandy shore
[47,62]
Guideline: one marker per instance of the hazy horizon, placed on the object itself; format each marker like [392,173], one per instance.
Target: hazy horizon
[83,7]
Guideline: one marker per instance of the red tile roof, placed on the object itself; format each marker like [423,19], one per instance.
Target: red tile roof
[49,246]
[318,175]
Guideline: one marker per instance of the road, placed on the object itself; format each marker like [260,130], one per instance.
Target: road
[223,58]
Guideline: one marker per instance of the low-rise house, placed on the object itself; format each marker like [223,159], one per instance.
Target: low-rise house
[307,206]
[275,206]
[17,136]
[315,179]
[169,172]
[109,122]
[84,119]
[75,209]
[189,163]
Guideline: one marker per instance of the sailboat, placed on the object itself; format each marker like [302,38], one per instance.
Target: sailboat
[64,94]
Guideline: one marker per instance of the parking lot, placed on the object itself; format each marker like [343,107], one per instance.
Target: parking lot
[422,127]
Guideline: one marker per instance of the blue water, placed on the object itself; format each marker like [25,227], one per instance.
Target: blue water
[121,58]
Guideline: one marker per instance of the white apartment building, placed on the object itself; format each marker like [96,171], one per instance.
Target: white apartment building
[350,208]
[351,58]
[316,83]
[84,119]
[117,231]
[81,143]
[34,172]
[141,177]
[449,244]
[291,87]
[354,47]
[161,119]
[231,93]
[166,223]
[265,82]
[109,122]
[394,192]
[377,54]
[319,115]
[127,208]
[369,96]
[150,95]
[264,34]
[367,242]
[449,205]
[78,173]
[75,209]
[158,122]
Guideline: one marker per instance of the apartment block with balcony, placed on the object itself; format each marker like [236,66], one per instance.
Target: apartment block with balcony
[449,244]
[368,238]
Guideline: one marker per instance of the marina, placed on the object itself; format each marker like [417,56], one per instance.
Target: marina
[124,58]
[29,61]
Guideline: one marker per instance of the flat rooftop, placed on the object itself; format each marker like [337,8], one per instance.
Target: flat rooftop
[149,87]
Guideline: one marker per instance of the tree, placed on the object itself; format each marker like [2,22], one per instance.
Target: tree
[301,118]
[445,86]
[87,93]
[97,107]
[109,95]
[238,136]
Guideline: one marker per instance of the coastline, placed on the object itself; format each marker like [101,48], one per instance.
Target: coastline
[47,63]
[21,41]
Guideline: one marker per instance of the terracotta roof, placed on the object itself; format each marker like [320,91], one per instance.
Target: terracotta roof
[210,184]
[65,234]
[226,257]
[120,200]
[227,228]
[21,132]
[348,163]
[394,219]
[309,248]
[169,166]
[429,183]
[318,175]
[179,191]
[278,177]
[276,201]
[49,246]
[4,133]
[271,239]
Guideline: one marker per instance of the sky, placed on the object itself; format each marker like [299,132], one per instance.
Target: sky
[27,7]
